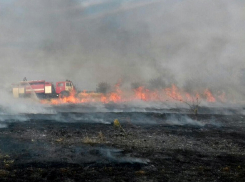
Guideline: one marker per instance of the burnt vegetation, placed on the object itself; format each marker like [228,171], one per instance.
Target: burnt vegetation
[41,150]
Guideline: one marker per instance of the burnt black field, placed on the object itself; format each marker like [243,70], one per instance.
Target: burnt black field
[79,143]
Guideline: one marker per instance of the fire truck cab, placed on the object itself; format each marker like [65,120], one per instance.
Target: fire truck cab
[64,88]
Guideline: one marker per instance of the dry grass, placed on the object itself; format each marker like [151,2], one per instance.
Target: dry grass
[117,125]
[100,138]
[88,140]
[140,172]
[3,173]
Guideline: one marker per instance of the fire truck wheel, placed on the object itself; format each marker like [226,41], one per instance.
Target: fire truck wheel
[64,94]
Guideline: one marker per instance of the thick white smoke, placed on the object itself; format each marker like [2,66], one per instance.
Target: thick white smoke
[196,44]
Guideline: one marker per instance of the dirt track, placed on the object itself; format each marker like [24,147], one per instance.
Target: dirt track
[44,150]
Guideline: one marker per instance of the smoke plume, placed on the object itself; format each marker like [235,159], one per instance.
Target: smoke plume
[196,44]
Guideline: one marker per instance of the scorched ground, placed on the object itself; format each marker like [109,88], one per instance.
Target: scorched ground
[154,145]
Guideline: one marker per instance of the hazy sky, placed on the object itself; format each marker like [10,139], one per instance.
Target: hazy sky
[193,43]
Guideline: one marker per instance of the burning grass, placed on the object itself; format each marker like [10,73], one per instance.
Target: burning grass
[119,95]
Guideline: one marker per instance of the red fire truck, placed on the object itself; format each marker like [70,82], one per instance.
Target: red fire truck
[43,89]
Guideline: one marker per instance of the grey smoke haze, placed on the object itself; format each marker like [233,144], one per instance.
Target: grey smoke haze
[197,44]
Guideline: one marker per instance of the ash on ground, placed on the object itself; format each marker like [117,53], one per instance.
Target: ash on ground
[142,146]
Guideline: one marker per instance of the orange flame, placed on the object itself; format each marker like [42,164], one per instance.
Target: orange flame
[140,93]
[173,92]
[209,95]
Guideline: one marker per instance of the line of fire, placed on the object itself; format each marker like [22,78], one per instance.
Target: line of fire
[65,92]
